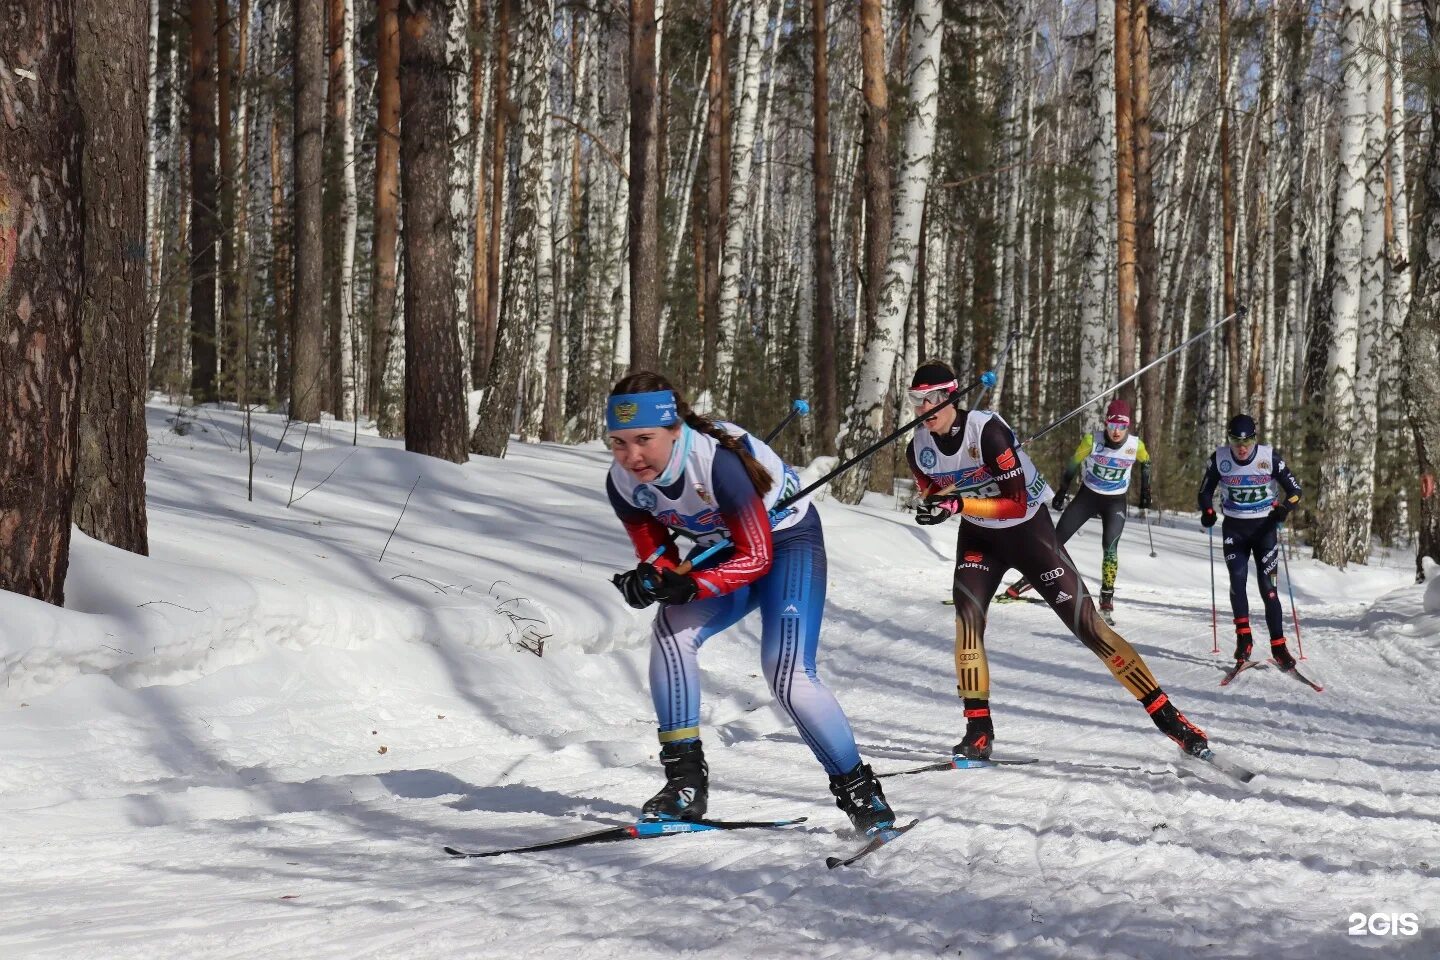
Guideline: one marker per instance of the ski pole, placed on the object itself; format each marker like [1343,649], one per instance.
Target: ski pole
[1214,615]
[1150,531]
[797,409]
[782,507]
[1239,312]
[1290,584]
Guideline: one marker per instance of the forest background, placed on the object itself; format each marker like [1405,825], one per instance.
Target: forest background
[463,219]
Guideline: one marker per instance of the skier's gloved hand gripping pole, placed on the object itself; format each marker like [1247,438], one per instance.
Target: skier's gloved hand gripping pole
[782,508]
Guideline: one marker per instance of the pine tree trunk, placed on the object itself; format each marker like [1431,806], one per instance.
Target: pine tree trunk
[385,328]
[479,276]
[864,419]
[1125,285]
[40,303]
[280,260]
[434,399]
[226,385]
[110,52]
[644,190]
[307,360]
[1421,357]
[1147,263]
[827,398]
[204,201]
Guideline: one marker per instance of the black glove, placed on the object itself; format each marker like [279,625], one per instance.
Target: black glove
[1058,503]
[630,587]
[1278,513]
[936,510]
[666,585]
[1145,501]
[1207,517]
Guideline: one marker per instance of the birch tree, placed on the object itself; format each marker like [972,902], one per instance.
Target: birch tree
[747,96]
[865,417]
[1332,543]
[1099,229]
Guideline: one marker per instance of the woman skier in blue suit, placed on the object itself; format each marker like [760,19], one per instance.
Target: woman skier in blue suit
[676,471]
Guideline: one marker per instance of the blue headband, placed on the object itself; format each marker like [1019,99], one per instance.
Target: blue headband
[627,411]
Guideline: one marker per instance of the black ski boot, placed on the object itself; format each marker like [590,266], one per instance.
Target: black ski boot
[1280,653]
[1173,724]
[1107,606]
[858,793]
[1243,640]
[687,784]
[979,731]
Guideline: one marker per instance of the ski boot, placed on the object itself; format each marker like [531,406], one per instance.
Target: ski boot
[1280,653]
[1243,641]
[979,731]
[858,793]
[687,784]
[1173,724]
[1107,606]
[1012,593]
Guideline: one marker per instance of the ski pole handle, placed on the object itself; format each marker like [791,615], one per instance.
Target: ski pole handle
[797,409]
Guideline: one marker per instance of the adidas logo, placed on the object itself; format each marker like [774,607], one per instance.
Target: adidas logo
[1063,597]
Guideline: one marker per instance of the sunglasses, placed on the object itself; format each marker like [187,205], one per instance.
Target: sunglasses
[1242,440]
[932,395]
[1118,423]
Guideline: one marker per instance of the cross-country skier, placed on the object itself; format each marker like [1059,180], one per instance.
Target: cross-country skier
[1104,463]
[1246,471]
[969,463]
[677,471]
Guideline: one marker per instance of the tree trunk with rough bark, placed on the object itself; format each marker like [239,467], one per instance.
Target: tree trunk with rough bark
[644,190]
[434,398]
[204,201]
[307,360]
[110,48]
[384,322]
[41,281]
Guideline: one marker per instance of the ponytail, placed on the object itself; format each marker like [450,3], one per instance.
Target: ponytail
[643,381]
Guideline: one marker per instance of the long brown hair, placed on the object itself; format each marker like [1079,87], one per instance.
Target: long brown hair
[645,381]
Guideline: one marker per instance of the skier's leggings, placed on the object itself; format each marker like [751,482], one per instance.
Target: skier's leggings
[1110,507]
[1246,538]
[791,600]
[981,559]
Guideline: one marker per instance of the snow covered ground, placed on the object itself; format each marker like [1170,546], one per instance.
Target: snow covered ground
[254,743]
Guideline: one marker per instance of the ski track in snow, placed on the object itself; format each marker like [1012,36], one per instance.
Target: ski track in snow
[193,761]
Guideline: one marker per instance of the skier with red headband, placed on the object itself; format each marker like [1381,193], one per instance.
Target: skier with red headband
[1104,462]
[969,463]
